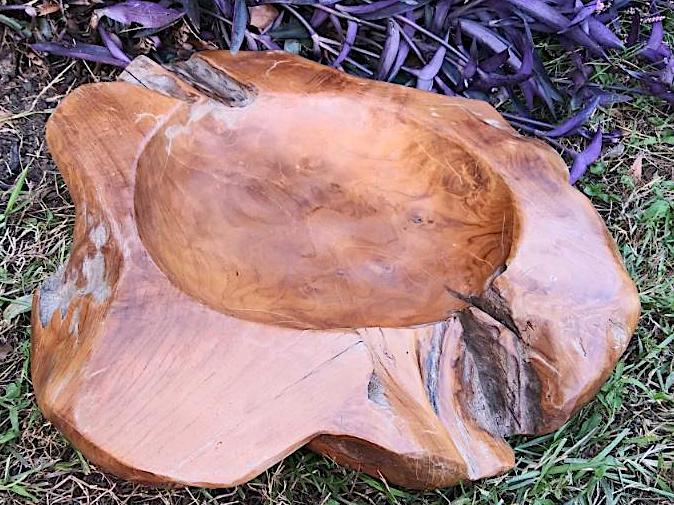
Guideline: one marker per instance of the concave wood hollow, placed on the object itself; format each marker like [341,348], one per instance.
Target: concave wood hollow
[269,253]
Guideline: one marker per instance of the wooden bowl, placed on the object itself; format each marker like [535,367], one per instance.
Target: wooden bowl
[270,253]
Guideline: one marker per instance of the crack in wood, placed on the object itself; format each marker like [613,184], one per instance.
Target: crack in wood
[213,82]
[432,365]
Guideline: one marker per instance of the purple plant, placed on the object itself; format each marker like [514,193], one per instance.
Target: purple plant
[144,13]
[80,51]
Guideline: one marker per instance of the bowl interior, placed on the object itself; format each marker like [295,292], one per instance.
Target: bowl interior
[315,212]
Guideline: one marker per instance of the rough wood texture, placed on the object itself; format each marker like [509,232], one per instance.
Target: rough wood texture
[270,253]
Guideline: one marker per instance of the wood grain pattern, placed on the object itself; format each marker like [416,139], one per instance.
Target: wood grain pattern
[269,253]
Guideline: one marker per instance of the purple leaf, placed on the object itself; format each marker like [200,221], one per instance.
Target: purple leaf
[427,73]
[490,39]
[267,41]
[453,73]
[473,50]
[577,35]
[239,24]
[251,42]
[581,74]
[543,85]
[469,69]
[366,8]
[146,14]
[587,156]
[608,98]
[351,32]
[583,13]
[529,92]
[495,61]
[574,123]
[114,46]
[544,93]
[653,83]
[393,10]
[542,12]
[523,73]
[614,136]
[318,18]
[338,26]
[446,90]
[609,11]
[656,49]
[403,51]
[80,51]
[603,35]
[191,8]
[667,73]
[440,14]
[224,6]
[28,9]
[390,50]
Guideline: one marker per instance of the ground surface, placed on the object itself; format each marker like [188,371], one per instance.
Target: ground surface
[619,449]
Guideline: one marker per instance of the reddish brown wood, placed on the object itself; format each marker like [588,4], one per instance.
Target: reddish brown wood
[269,253]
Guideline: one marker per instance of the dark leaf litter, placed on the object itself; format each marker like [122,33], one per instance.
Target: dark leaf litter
[484,49]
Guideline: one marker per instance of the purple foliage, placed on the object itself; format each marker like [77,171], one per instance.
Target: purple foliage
[239,22]
[367,8]
[575,122]
[603,35]
[191,8]
[426,74]
[225,7]
[542,12]
[388,55]
[586,157]
[392,10]
[80,51]
[350,38]
[113,44]
[146,14]
[583,13]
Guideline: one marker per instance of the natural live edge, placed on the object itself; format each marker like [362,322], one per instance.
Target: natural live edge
[269,253]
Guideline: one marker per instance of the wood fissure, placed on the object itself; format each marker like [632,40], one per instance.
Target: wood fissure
[213,82]
[491,303]
[501,387]
[431,368]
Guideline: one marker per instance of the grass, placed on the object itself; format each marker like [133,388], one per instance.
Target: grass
[618,449]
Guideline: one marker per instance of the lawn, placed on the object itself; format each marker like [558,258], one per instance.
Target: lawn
[618,449]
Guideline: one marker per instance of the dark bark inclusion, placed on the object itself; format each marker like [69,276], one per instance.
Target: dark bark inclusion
[502,390]
[214,83]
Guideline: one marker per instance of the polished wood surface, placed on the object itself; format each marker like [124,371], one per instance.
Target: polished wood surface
[269,253]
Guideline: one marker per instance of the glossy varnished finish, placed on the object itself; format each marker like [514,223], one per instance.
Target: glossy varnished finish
[269,253]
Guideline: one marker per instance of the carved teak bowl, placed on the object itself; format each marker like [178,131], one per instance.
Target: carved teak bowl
[269,253]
